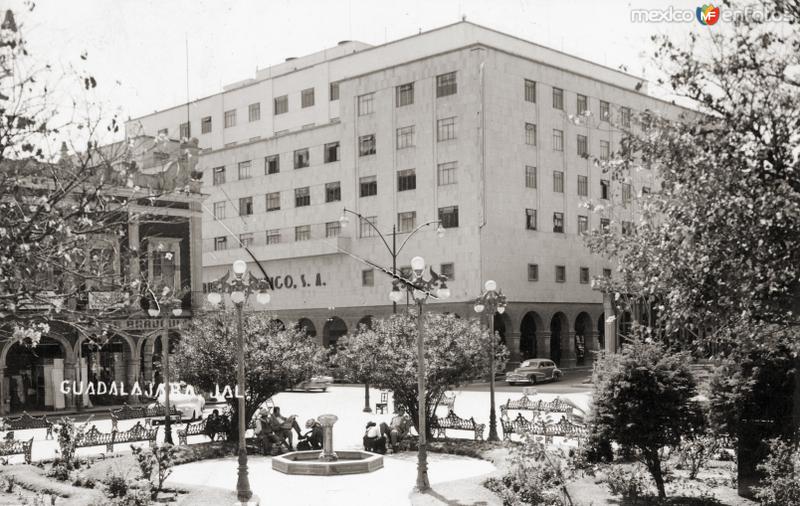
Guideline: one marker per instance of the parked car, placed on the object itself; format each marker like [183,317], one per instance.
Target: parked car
[534,371]
[315,383]
[189,405]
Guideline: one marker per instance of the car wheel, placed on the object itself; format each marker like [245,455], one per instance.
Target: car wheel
[324,389]
[194,415]
[532,378]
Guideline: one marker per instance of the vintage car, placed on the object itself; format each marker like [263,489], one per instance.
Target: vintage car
[188,404]
[315,383]
[534,371]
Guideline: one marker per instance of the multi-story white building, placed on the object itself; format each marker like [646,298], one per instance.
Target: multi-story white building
[492,135]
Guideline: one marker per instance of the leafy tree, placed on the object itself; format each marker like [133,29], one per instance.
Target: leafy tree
[782,470]
[275,358]
[357,358]
[456,350]
[642,400]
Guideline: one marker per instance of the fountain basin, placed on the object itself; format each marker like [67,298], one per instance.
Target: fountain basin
[309,463]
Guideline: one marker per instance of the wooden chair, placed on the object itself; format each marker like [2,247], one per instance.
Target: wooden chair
[381,407]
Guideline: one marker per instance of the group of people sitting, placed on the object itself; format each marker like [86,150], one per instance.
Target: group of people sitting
[275,432]
[216,424]
[377,437]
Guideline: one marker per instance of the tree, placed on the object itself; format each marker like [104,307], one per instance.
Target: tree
[275,359]
[642,400]
[456,351]
[357,356]
[713,262]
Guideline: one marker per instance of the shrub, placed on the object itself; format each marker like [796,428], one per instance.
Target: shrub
[781,484]
[67,434]
[58,471]
[695,452]
[159,459]
[84,481]
[630,483]
[116,485]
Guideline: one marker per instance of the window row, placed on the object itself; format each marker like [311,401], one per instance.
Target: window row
[301,158]
[446,85]
[581,105]
[581,142]
[531,181]
[446,174]
[560,274]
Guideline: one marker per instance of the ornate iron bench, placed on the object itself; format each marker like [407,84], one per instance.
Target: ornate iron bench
[454,422]
[150,415]
[94,437]
[10,446]
[156,414]
[563,428]
[27,421]
[138,432]
[199,429]
[520,424]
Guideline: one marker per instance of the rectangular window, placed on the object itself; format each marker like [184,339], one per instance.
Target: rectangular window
[583,104]
[605,150]
[302,197]
[365,104]
[530,176]
[448,270]
[583,146]
[530,219]
[605,189]
[446,173]
[625,116]
[273,236]
[406,180]
[406,222]
[272,164]
[606,273]
[368,186]
[254,112]
[332,228]
[219,210]
[405,137]
[366,145]
[301,158]
[530,134]
[558,140]
[446,84]
[583,224]
[584,275]
[244,170]
[273,201]
[365,226]
[246,240]
[446,129]
[448,216]
[583,186]
[404,94]
[627,228]
[533,272]
[332,152]
[302,233]
[219,175]
[530,91]
[368,277]
[626,193]
[185,130]
[333,91]
[245,206]
[307,98]
[230,118]
[220,243]
[281,105]
[605,223]
[558,98]
[205,125]
[333,192]
[558,181]
[561,274]
[558,223]
[605,111]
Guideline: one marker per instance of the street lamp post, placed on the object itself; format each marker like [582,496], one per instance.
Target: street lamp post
[240,287]
[394,251]
[155,312]
[420,289]
[493,301]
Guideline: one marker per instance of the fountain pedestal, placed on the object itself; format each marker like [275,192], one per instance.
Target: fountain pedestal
[327,421]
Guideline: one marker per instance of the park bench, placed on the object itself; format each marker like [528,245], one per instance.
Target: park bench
[520,425]
[197,429]
[150,415]
[27,421]
[93,437]
[10,446]
[454,422]
[381,407]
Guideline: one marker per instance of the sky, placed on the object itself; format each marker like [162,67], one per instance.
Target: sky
[137,50]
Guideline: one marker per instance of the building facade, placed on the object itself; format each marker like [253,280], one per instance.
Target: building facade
[492,137]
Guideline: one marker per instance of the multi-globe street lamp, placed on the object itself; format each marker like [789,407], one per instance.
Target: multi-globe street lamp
[394,251]
[492,301]
[240,287]
[164,309]
[420,289]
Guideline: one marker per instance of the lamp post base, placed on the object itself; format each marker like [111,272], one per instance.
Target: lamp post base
[253,501]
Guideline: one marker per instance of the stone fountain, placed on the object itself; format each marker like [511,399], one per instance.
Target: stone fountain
[327,462]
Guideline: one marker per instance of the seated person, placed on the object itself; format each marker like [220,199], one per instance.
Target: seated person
[374,441]
[397,429]
[312,439]
[214,425]
[282,426]
[266,436]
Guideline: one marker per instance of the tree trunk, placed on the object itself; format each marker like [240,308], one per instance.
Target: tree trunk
[653,463]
